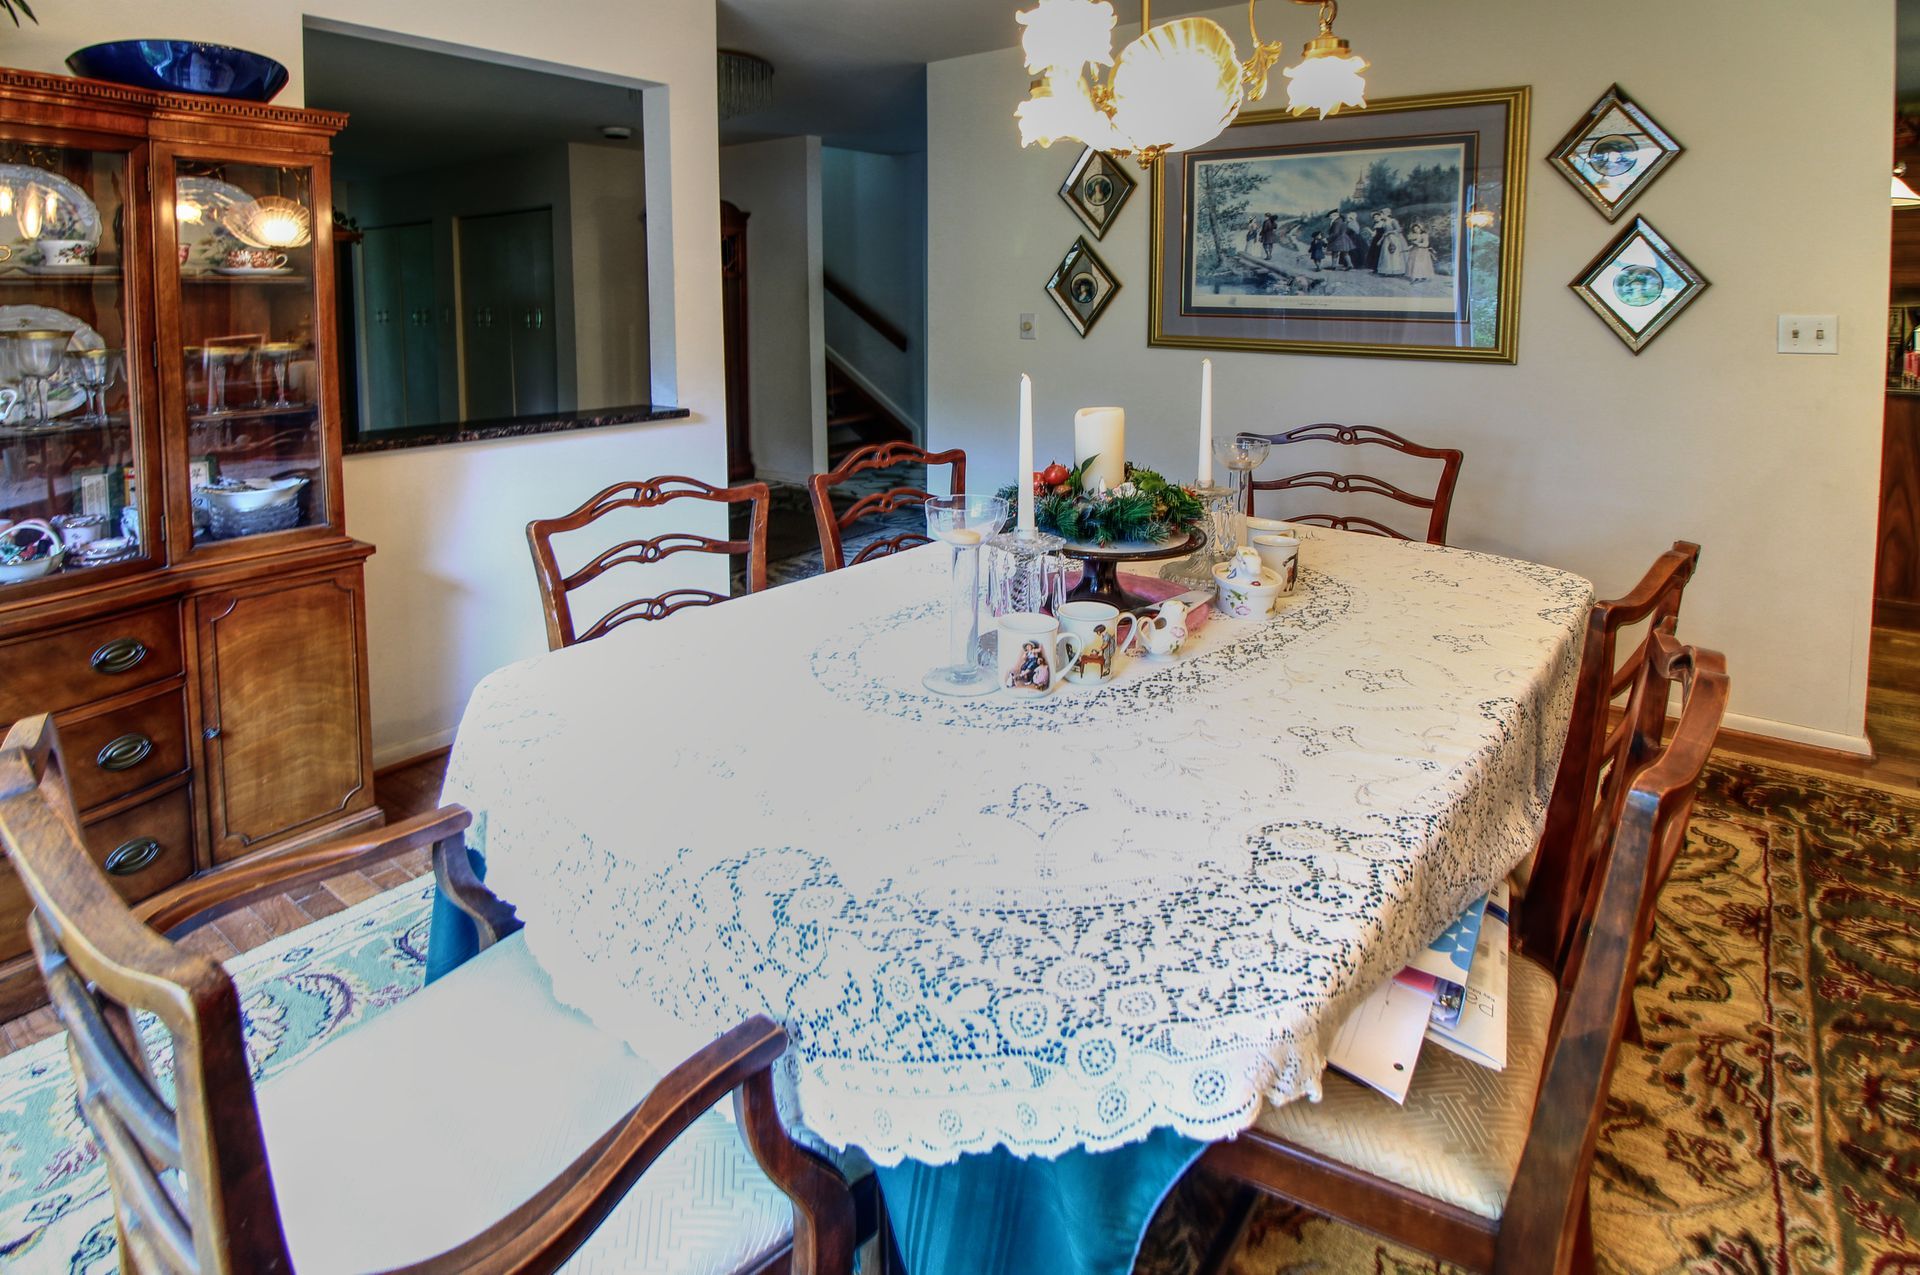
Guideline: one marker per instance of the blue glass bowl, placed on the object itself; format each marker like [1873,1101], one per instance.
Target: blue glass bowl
[182,66]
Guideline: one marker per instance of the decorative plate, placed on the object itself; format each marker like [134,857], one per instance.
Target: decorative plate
[1638,284]
[63,394]
[207,238]
[1614,153]
[1082,286]
[73,211]
[1096,190]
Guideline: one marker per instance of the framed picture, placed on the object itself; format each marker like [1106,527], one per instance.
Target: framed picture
[1614,153]
[1096,190]
[1082,287]
[1639,284]
[1390,232]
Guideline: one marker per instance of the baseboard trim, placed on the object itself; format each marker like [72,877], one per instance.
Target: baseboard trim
[762,474]
[407,752]
[1736,726]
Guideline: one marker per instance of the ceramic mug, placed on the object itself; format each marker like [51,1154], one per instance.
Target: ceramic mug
[253,259]
[66,252]
[1033,651]
[1280,555]
[1097,625]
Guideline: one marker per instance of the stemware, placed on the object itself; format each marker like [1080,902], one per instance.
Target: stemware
[219,359]
[963,522]
[39,351]
[94,369]
[1241,454]
[277,355]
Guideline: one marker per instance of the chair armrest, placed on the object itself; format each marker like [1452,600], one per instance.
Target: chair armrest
[194,903]
[540,1235]
[453,873]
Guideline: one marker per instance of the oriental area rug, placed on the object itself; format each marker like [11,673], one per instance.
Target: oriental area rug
[1770,1124]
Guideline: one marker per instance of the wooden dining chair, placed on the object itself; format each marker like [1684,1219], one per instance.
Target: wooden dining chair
[1489,1170]
[1439,505]
[1550,885]
[479,1125]
[833,525]
[652,493]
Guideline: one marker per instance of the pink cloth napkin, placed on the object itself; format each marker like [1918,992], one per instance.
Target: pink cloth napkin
[1159,591]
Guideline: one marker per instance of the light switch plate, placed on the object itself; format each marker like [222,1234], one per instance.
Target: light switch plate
[1809,334]
[1028,332]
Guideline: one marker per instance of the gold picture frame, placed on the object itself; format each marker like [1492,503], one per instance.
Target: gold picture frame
[1381,282]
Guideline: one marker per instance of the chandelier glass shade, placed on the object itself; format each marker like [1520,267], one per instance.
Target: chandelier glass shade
[1176,87]
[271,221]
[745,83]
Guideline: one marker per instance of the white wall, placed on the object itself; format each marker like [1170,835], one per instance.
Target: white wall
[451,588]
[1582,455]
[777,184]
[609,200]
[875,213]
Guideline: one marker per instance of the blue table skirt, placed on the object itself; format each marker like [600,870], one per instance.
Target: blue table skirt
[990,1214]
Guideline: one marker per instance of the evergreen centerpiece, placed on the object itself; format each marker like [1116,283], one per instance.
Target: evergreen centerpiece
[1145,509]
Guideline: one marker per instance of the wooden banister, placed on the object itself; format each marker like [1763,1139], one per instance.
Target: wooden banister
[865,313]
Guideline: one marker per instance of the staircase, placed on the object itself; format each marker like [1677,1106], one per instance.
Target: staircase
[856,418]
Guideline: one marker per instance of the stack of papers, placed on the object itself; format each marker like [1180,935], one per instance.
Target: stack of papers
[1454,993]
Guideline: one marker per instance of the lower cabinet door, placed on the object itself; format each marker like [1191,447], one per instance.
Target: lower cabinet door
[283,701]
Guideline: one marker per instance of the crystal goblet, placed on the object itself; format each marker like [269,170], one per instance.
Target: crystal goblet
[1241,454]
[277,355]
[963,522]
[38,352]
[95,369]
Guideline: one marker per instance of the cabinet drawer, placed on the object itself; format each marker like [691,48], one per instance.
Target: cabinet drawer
[49,672]
[114,753]
[144,849]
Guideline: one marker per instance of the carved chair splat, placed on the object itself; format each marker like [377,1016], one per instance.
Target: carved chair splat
[651,493]
[1439,505]
[833,526]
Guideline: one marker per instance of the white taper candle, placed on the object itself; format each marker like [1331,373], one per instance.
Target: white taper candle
[1206,423]
[1024,479]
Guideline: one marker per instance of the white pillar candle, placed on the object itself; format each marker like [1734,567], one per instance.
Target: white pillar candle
[1206,423]
[1024,480]
[1101,433]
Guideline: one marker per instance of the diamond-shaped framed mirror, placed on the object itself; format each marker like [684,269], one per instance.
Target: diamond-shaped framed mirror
[1639,284]
[1097,189]
[1613,154]
[1082,287]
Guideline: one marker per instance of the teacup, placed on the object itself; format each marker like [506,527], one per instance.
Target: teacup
[254,259]
[1257,526]
[1033,652]
[66,253]
[1097,625]
[1280,555]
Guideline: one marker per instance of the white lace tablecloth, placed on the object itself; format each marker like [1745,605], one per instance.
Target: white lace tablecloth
[999,922]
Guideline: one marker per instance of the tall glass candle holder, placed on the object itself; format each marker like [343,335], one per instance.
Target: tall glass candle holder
[1196,569]
[1241,454]
[1025,572]
[964,523]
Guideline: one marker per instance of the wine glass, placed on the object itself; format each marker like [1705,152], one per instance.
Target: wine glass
[963,522]
[1241,454]
[94,370]
[220,359]
[39,351]
[276,355]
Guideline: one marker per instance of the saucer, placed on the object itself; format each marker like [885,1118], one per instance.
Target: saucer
[89,271]
[237,271]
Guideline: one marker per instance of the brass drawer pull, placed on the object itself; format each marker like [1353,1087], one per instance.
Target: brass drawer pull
[130,856]
[124,753]
[119,655]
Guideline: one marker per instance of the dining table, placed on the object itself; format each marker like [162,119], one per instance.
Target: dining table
[1032,952]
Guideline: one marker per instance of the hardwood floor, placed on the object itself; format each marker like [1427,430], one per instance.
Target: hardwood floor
[1893,696]
[402,791]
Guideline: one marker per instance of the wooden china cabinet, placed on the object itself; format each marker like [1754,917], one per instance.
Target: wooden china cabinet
[202,639]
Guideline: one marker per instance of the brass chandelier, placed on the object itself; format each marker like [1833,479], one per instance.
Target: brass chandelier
[1176,87]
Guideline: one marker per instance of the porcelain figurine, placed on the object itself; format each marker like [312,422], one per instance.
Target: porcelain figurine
[1162,636]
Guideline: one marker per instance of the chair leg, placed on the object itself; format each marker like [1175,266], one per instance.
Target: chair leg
[1633,1035]
[1582,1263]
[1233,1228]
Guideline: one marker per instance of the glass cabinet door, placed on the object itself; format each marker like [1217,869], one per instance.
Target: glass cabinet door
[71,450]
[256,454]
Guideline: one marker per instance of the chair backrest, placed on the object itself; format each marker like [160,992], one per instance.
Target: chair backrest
[190,1181]
[1439,505]
[1591,780]
[833,525]
[649,494]
[1649,828]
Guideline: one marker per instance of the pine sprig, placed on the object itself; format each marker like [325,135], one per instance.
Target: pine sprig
[1154,511]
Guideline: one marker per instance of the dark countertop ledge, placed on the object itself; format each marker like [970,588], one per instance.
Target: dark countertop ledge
[513,427]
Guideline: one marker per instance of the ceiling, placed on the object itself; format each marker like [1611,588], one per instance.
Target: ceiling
[854,71]
[415,109]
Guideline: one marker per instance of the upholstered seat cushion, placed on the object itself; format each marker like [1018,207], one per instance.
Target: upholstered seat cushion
[1460,1134]
[419,1129]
